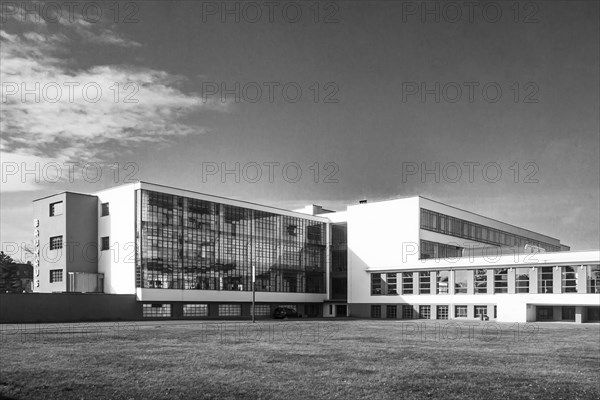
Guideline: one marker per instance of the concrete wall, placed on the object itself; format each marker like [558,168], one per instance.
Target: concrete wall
[67,307]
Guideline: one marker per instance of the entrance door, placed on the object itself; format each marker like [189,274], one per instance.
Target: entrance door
[568,313]
[341,310]
[544,313]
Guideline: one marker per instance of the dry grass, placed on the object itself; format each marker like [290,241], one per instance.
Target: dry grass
[342,359]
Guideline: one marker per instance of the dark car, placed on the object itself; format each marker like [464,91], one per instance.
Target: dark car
[285,312]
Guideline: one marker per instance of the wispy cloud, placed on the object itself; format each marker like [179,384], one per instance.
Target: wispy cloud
[52,107]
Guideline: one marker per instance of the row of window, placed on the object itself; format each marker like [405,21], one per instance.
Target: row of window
[157,310]
[56,243]
[424,311]
[438,282]
[436,222]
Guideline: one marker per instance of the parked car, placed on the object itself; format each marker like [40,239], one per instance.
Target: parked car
[285,312]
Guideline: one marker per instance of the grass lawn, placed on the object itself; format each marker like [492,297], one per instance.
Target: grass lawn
[301,359]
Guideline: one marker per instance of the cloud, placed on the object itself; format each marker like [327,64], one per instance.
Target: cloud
[52,108]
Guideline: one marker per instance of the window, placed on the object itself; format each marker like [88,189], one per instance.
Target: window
[156,311]
[593,278]
[262,310]
[495,311]
[375,311]
[375,284]
[391,311]
[105,210]
[424,312]
[195,310]
[460,281]
[439,250]
[56,242]
[230,310]
[392,285]
[480,310]
[407,283]
[544,313]
[522,280]
[545,280]
[407,312]
[460,312]
[443,279]
[56,275]
[105,243]
[424,282]
[56,208]
[501,280]
[442,312]
[569,280]
[480,280]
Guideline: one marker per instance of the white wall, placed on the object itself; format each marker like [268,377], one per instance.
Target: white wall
[118,264]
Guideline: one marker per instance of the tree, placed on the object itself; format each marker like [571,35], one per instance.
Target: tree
[9,279]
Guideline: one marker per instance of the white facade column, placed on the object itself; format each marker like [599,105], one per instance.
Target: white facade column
[533,280]
[470,282]
[511,279]
[490,280]
[581,271]
[556,280]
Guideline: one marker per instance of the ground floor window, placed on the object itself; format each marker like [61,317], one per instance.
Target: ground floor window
[407,312]
[568,313]
[545,313]
[460,312]
[391,311]
[156,310]
[442,312]
[424,312]
[261,310]
[495,311]
[375,311]
[56,275]
[230,310]
[480,310]
[195,310]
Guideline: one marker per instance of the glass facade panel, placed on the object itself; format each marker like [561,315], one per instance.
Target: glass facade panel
[480,310]
[480,281]
[230,310]
[376,284]
[443,282]
[407,283]
[375,311]
[392,283]
[569,279]
[593,278]
[460,312]
[460,281]
[545,280]
[439,250]
[156,310]
[424,282]
[442,312]
[407,312]
[186,243]
[501,280]
[195,310]
[424,312]
[391,311]
[522,280]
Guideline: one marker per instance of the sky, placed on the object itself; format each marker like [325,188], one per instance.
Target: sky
[492,108]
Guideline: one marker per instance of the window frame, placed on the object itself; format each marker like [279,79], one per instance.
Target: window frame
[52,209]
[56,242]
[462,308]
[104,209]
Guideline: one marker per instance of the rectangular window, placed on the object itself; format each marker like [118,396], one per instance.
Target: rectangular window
[522,280]
[460,311]
[460,281]
[480,310]
[195,310]
[105,210]
[407,312]
[424,312]
[407,283]
[262,310]
[442,312]
[56,275]
[156,310]
[480,279]
[425,282]
[501,280]
[392,284]
[593,278]
[56,208]
[105,243]
[230,310]
[375,284]
[545,280]
[495,311]
[391,311]
[375,311]
[56,242]
[569,279]
[544,313]
[443,280]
